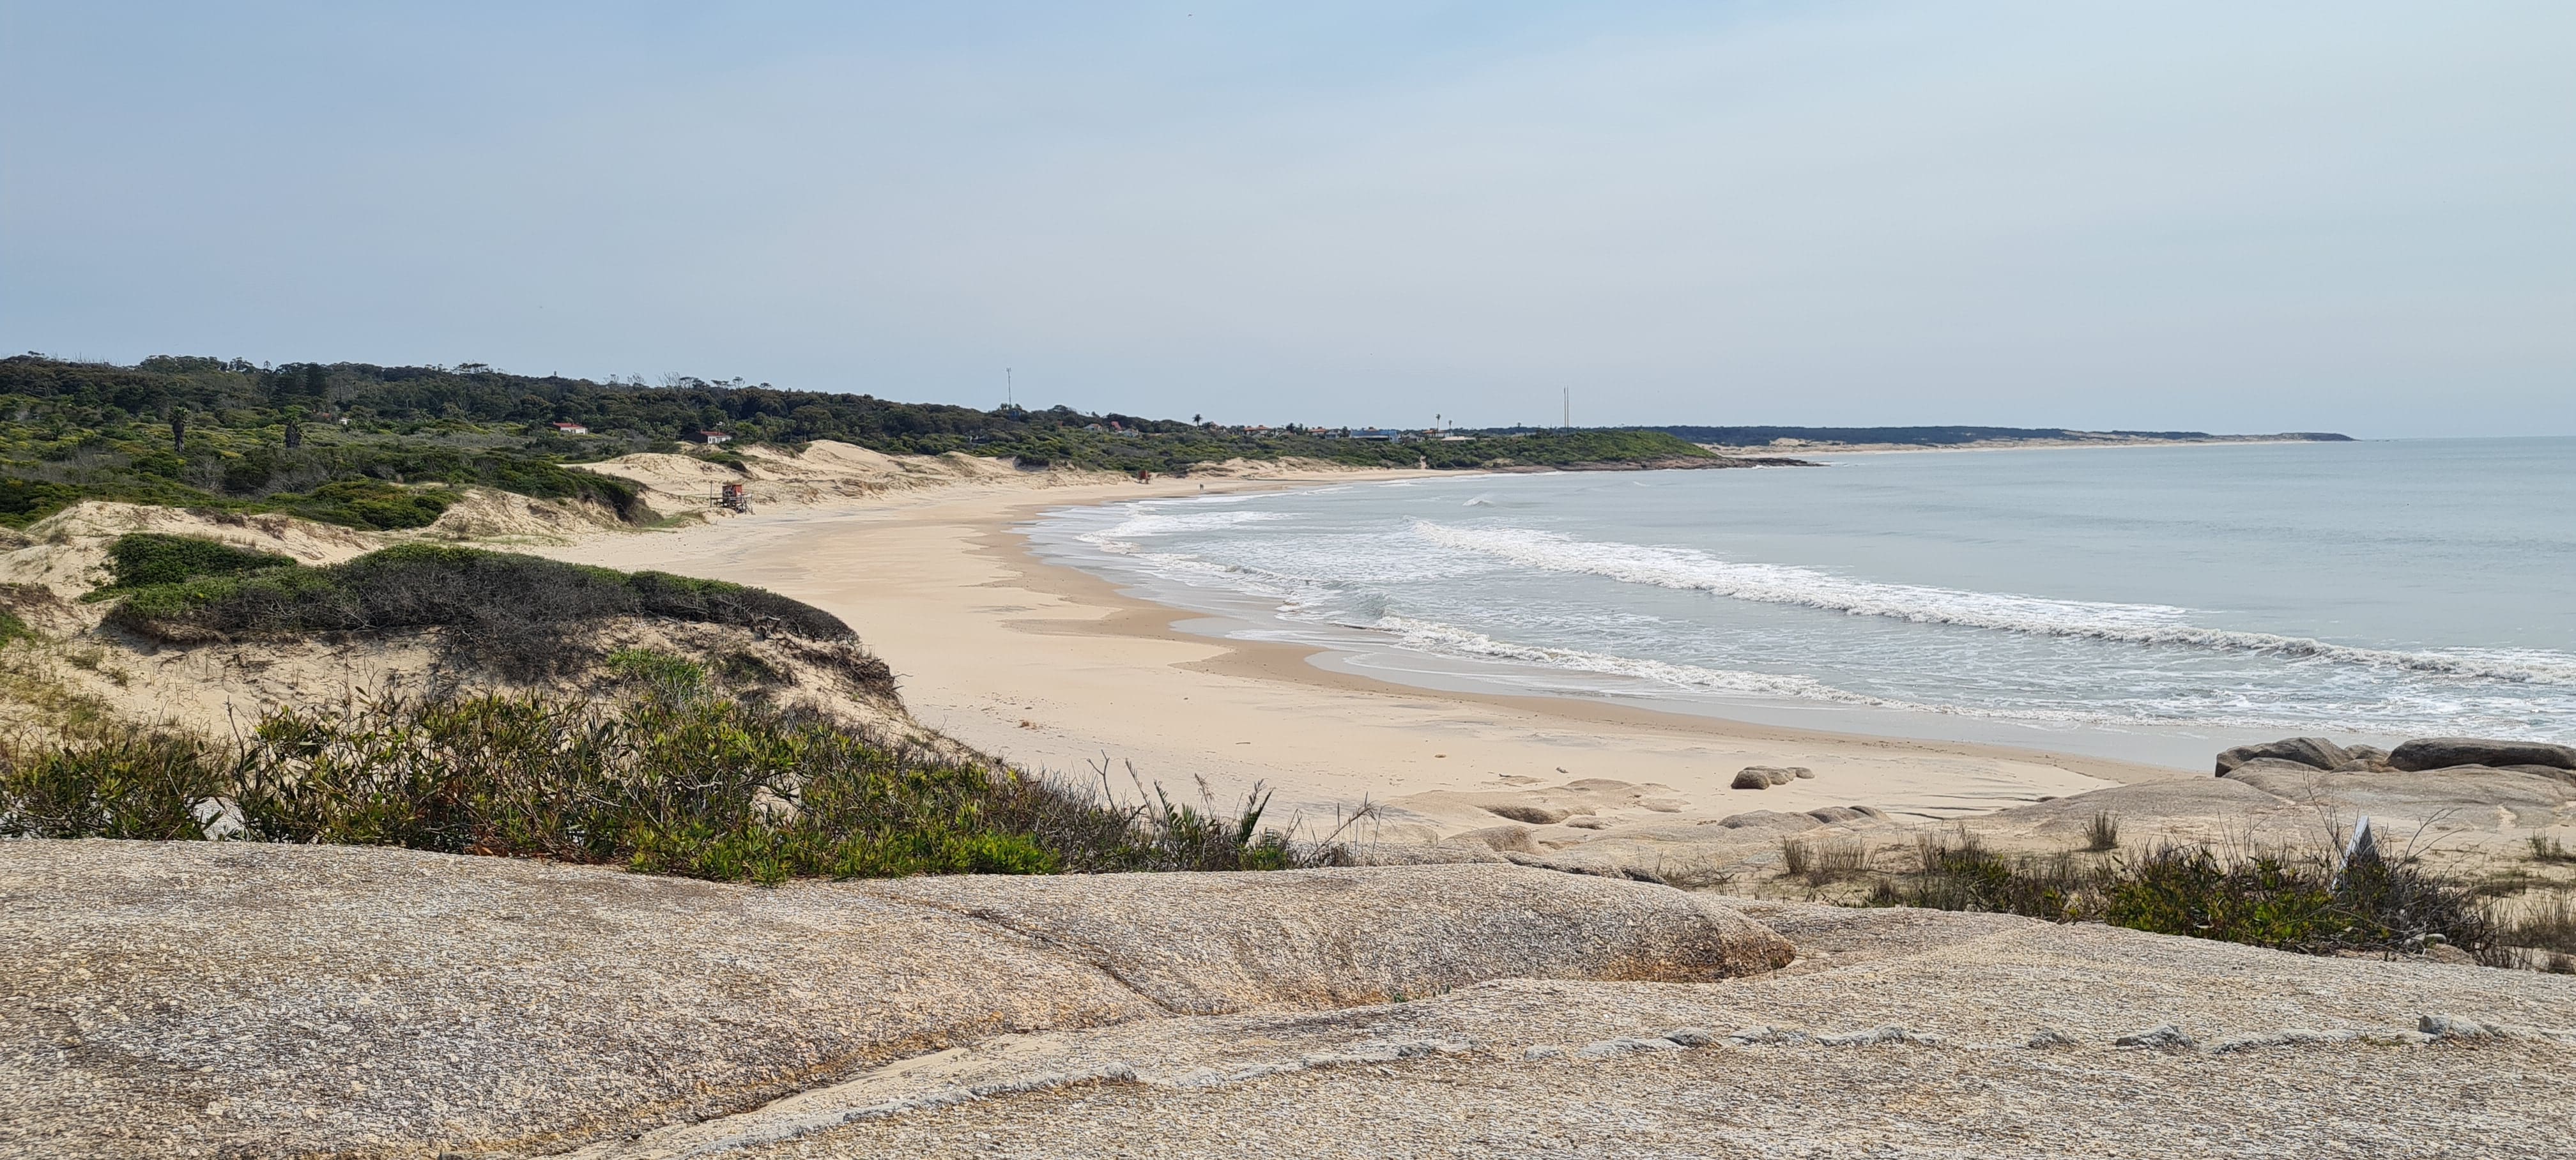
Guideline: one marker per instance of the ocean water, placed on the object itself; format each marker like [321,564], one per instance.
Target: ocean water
[2150,603]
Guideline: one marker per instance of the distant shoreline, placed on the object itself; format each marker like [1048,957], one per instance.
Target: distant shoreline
[1807,448]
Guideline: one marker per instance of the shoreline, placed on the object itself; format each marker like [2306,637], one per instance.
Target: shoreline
[2015,445]
[1054,668]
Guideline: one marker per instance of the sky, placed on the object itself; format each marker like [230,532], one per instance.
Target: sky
[2238,217]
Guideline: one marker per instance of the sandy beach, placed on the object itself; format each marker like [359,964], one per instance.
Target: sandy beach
[1053,669]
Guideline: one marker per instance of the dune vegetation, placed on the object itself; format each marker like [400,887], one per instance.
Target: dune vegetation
[387,448]
[657,767]
[659,780]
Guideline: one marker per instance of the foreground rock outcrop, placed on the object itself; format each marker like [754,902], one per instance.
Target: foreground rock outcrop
[237,1000]
[292,1000]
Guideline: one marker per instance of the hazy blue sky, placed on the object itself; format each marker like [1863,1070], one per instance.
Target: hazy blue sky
[2227,216]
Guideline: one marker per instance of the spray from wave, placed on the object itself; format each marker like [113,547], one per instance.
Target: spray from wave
[2145,624]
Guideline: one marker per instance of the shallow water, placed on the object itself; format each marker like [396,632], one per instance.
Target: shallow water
[2139,602]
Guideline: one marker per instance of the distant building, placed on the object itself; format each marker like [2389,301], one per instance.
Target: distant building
[566,428]
[710,438]
[1372,433]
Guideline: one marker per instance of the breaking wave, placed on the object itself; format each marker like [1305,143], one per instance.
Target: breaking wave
[1448,640]
[2145,624]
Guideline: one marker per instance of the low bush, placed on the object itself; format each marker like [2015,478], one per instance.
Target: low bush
[657,670]
[509,610]
[137,559]
[2545,927]
[659,782]
[1822,860]
[2316,903]
[369,503]
[129,787]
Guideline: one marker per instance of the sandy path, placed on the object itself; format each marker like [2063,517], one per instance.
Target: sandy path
[1052,668]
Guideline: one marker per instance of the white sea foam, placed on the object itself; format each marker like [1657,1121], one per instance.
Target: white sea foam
[1152,522]
[1449,640]
[2146,624]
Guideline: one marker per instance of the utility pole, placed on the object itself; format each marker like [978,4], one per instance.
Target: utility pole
[1010,394]
[1569,409]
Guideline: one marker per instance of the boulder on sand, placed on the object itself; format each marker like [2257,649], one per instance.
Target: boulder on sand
[1536,815]
[2316,752]
[1753,777]
[2425,753]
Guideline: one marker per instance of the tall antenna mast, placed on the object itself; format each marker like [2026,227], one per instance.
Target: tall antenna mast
[1569,408]
[1010,394]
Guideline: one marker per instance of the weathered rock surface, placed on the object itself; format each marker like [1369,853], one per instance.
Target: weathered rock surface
[2425,753]
[283,1000]
[1213,943]
[2276,767]
[238,1000]
[2484,795]
[2313,752]
[1899,1032]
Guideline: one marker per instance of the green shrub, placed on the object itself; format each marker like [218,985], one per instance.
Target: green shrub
[24,501]
[2312,903]
[369,503]
[510,610]
[657,669]
[141,558]
[138,787]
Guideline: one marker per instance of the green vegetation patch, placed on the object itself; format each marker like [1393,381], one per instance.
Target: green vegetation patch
[2314,903]
[662,782]
[369,503]
[137,559]
[656,669]
[24,501]
[517,613]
